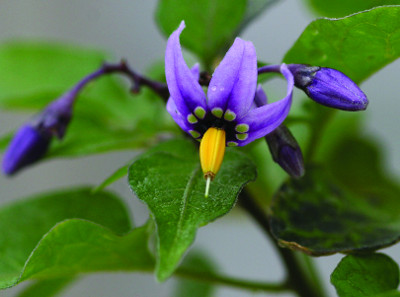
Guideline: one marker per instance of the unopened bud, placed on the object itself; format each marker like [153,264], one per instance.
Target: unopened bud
[28,145]
[329,87]
[286,151]
[32,140]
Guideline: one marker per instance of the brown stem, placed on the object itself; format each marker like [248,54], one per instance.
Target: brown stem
[296,278]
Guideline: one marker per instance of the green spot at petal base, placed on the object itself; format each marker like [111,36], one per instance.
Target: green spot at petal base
[232,143]
[242,136]
[200,112]
[192,119]
[217,112]
[242,128]
[229,115]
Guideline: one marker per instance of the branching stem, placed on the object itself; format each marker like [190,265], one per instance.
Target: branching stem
[123,68]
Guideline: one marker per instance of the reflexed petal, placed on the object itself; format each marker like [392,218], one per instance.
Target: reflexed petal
[172,109]
[264,119]
[182,84]
[234,82]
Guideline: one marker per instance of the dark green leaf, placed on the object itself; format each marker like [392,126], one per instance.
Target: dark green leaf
[46,288]
[169,180]
[365,275]
[341,8]
[195,263]
[358,45]
[92,242]
[354,207]
[210,24]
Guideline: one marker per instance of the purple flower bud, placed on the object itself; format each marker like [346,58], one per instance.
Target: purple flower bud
[285,151]
[329,87]
[32,140]
[28,145]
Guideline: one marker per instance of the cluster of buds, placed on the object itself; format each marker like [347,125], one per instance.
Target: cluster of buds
[234,112]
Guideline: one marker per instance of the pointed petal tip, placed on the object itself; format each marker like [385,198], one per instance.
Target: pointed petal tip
[182,26]
[234,81]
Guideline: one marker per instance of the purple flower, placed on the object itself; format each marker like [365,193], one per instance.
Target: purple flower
[329,87]
[32,140]
[229,105]
[230,95]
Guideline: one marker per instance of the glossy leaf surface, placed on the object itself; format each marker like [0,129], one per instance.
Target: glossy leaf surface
[170,181]
[352,207]
[341,8]
[365,275]
[358,45]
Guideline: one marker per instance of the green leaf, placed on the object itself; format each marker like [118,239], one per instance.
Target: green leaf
[87,239]
[354,206]
[46,288]
[198,263]
[169,180]
[393,293]
[76,246]
[116,175]
[210,24]
[33,73]
[358,45]
[365,275]
[341,8]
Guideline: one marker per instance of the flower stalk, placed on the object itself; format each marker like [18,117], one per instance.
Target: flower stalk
[32,140]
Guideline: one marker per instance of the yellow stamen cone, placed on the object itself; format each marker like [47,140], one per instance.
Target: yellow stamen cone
[212,150]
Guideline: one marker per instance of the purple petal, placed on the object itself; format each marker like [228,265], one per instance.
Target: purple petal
[260,98]
[177,116]
[27,147]
[265,119]
[234,82]
[182,84]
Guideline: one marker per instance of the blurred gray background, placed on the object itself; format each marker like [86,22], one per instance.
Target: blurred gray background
[126,29]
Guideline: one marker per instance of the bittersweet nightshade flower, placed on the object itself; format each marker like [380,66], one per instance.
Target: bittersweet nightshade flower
[329,87]
[227,116]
